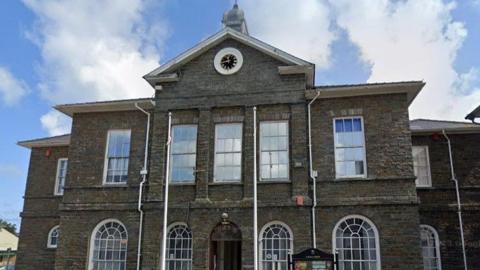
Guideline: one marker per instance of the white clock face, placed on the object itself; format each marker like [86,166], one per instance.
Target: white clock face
[228,61]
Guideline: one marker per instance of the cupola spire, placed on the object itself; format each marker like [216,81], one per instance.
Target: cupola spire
[235,19]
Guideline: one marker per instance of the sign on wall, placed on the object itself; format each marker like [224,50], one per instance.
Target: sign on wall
[311,259]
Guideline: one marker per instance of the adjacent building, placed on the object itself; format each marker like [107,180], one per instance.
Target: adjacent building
[8,247]
[240,134]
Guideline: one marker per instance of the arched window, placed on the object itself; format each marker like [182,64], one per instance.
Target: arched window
[430,248]
[356,240]
[179,247]
[108,246]
[53,235]
[276,242]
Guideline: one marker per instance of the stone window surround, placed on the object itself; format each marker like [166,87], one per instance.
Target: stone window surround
[171,155]
[372,225]
[105,166]
[92,239]
[56,229]
[242,129]
[437,243]
[261,237]
[365,165]
[427,155]
[57,177]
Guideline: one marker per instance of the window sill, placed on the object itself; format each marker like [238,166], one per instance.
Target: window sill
[182,184]
[237,183]
[274,182]
[360,178]
[425,187]
[112,185]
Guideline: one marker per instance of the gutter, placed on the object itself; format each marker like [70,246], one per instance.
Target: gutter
[143,173]
[459,204]
[313,173]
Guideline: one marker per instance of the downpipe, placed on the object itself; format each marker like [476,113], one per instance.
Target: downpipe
[459,204]
[165,199]
[143,173]
[313,173]
[255,206]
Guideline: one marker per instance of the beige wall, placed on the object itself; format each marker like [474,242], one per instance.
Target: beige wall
[8,240]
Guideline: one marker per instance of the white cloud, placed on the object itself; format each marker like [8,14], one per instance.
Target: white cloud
[301,28]
[411,40]
[11,89]
[55,123]
[94,50]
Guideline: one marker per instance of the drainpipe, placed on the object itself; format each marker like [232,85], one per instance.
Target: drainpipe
[165,199]
[143,173]
[313,173]
[459,204]
[255,220]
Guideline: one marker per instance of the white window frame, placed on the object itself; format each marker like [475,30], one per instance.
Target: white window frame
[190,261]
[105,165]
[375,230]
[215,154]
[427,154]
[437,244]
[49,239]
[288,152]
[172,154]
[91,244]
[364,175]
[57,177]
[260,240]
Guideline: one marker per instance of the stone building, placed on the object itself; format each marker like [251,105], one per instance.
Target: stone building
[242,135]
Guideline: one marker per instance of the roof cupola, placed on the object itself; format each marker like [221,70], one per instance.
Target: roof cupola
[235,19]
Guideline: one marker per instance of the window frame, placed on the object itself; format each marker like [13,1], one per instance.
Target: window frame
[105,164]
[437,243]
[260,240]
[429,170]
[172,154]
[57,179]
[92,240]
[170,227]
[49,238]
[375,230]
[287,179]
[365,173]
[227,181]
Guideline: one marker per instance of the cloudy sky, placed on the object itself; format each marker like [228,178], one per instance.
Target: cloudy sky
[63,51]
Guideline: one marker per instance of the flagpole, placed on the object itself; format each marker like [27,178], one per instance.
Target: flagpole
[165,199]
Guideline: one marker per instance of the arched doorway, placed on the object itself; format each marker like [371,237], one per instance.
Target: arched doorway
[226,247]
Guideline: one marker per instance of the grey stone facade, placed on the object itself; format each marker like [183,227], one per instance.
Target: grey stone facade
[387,196]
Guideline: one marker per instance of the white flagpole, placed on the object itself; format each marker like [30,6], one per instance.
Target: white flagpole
[165,198]
[255,221]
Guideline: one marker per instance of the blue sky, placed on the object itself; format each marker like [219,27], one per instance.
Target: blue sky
[63,51]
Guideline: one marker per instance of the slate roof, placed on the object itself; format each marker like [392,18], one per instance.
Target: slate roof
[430,125]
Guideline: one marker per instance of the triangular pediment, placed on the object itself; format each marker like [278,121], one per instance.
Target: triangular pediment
[166,70]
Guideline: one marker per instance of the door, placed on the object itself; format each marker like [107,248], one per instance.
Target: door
[226,255]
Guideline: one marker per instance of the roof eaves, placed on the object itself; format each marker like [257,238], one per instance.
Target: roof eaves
[60,140]
[104,106]
[411,88]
